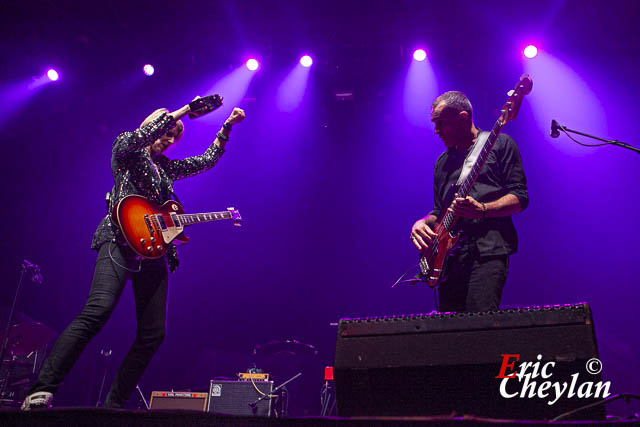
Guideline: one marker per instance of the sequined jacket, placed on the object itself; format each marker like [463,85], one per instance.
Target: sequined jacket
[136,171]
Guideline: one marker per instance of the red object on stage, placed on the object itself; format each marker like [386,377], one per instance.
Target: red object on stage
[328,373]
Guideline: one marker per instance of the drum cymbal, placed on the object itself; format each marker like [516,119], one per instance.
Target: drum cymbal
[27,337]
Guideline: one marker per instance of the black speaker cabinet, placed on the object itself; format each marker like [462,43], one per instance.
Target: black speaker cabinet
[237,397]
[448,362]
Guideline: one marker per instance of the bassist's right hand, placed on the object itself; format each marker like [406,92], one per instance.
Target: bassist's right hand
[421,233]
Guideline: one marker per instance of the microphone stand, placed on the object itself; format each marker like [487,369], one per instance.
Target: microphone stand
[146,405]
[612,141]
[253,404]
[37,277]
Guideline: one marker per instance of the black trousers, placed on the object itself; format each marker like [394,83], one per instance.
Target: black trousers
[150,291]
[472,282]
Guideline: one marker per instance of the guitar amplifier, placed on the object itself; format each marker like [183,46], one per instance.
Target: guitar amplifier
[237,397]
[453,362]
[178,400]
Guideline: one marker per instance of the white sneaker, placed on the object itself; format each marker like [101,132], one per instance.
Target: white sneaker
[37,400]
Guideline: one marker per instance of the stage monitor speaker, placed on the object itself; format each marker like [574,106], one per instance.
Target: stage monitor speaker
[178,400]
[237,397]
[448,362]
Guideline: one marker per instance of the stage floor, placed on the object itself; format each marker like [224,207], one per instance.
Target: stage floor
[109,417]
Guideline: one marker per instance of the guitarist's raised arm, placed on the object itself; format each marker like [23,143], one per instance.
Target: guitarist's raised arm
[159,123]
[180,169]
[161,128]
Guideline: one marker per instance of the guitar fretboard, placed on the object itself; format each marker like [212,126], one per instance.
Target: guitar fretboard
[188,219]
[466,186]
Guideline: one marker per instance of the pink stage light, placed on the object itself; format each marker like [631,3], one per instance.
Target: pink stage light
[419,55]
[306,61]
[530,51]
[148,70]
[53,75]
[252,64]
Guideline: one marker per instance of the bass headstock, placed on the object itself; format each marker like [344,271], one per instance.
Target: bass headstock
[516,95]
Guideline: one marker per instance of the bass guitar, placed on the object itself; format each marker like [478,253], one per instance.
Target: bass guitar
[433,257]
[149,228]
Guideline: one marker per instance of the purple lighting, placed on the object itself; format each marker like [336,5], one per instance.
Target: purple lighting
[252,64]
[559,88]
[306,61]
[53,75]
[148,69]
[530,51]
[419,55]
[292,90]
[420,88]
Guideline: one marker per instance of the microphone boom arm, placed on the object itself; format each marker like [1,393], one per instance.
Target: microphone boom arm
[555,126]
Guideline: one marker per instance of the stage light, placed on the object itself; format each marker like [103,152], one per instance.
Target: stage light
[53,75]
[252,64]
[148,70]
[306,61]
[419,55]
[530,51]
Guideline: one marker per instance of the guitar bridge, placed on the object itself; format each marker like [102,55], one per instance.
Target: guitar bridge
[424,266]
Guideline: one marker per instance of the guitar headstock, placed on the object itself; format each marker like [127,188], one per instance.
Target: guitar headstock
[516,95]
[208,103]
[235,216]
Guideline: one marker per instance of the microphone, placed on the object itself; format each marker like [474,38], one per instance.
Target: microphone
[554,129]
[36,275]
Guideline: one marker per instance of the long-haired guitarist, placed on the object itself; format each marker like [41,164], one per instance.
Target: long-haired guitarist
[476,270]
[140,167]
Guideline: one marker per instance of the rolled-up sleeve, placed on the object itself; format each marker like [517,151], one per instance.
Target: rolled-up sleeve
[512,172]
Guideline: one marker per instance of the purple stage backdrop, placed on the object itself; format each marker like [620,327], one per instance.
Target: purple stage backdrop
[330,168]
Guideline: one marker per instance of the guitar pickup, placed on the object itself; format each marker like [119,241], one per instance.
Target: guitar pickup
[148,222]
[161,222]
[175,219]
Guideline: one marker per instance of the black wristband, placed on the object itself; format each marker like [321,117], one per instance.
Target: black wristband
[226,126]
[222,137]
[484,211]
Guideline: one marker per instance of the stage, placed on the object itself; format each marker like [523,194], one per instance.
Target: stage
[99,417]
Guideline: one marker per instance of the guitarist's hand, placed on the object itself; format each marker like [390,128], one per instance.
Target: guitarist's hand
[421,233]
[200,111]
[236,116]
[467,208]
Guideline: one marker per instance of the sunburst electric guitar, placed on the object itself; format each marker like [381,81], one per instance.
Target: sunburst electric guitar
[149,228]
[433,257]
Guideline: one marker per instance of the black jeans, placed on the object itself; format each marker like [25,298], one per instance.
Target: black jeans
[472,282]
[150,290]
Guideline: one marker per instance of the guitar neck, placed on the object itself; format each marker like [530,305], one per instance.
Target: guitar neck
[465,188]
[188,219]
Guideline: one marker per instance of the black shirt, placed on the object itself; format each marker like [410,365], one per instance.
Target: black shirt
[502,174]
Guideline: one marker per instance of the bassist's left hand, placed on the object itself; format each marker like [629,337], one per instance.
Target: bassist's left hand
[467,208]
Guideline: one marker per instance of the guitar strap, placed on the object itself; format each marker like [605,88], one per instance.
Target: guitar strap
[175,197]
[471,158]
